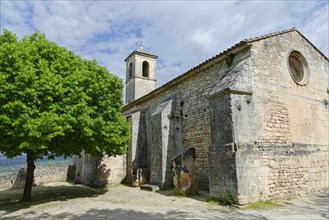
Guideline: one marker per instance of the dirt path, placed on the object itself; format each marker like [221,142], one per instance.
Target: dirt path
[121,202]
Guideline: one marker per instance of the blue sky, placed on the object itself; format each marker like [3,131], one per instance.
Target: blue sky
[182,33]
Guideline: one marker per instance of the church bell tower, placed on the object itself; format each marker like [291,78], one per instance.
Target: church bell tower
[140,74]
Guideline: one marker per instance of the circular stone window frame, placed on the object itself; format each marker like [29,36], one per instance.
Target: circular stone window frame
[306,71]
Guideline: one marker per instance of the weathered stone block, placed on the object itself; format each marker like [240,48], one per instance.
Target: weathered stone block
[97,172]
[184,173]
[149,187]
[70,176]
[20,180]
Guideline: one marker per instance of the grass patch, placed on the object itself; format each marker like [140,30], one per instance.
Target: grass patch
[226,199]
[261,205]
[213,201]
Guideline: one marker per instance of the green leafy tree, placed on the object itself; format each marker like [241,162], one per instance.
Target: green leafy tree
[54,103]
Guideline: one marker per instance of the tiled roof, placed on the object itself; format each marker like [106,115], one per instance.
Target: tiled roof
[143,52]
[208,61]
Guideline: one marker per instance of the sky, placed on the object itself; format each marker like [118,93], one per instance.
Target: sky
[182,33]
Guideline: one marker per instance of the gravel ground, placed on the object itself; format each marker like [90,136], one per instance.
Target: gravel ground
[122,202]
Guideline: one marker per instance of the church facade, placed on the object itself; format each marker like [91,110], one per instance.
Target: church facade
[256,114]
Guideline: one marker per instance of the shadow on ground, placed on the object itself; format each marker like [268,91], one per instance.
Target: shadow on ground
[200,196]
[10,200]
[98,214]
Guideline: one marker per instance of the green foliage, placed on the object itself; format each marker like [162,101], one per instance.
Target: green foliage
[212,201]
[227,198]
[261,205]
[171,116]
[54,103]
[229,60]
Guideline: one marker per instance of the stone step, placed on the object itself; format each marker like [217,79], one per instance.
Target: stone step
[150,187]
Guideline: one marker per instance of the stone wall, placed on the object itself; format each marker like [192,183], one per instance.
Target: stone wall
[192,111]
[156,138]
[137,156]
[280,172]
[275,90]
[222,171]
[164,141]
[286,151]
[97,172]
[257,133]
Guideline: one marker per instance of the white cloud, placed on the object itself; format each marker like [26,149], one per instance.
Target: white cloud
[202,37]
[316,28]
[182,34]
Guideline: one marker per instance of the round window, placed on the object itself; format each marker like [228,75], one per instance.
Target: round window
[298,68]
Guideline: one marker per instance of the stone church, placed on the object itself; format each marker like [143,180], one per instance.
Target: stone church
[256,114]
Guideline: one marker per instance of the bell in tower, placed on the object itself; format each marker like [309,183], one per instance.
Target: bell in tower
[140,74]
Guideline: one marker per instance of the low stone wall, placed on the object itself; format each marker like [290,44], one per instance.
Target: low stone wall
[96,172]
[42,174]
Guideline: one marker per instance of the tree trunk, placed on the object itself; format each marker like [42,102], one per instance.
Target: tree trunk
[29,177]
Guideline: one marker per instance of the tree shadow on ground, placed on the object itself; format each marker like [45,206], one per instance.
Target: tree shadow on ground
[10,199]
[200,196]
[98,214]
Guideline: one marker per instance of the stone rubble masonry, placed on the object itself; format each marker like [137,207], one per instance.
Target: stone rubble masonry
[193,115]
[286,151]
[278,173]
[256,132]
[96,172]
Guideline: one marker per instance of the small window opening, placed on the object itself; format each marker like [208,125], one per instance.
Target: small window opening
[145,69]
[130,70]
